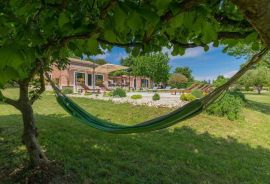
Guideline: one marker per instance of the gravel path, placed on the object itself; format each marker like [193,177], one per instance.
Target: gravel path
[166,99]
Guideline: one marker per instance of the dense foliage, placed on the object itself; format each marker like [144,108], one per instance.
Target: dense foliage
[187,97]
[153,65]
[186,71]
[220,80]
[67,91]
[119,92]
[178,80]
[156,97]
[257,77]
[229,106]
[49,30]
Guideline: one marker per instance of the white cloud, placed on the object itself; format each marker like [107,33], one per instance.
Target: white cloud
[101,56]
[122,55]
[202,78]
[213,77]
[230,74]
[190,53]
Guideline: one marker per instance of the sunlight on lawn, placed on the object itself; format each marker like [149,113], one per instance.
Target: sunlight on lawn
[205,147]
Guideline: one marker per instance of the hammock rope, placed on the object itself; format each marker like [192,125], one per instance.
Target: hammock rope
[185,112]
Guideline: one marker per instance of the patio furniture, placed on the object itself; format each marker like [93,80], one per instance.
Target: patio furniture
[86,89]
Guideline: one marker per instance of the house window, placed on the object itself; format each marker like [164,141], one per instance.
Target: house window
[80,79]
[99,77]
[99,80]
[89,80]
[144,83]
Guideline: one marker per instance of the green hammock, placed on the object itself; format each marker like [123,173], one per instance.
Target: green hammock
[187,111]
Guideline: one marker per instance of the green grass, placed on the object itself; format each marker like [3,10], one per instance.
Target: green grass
[204,149]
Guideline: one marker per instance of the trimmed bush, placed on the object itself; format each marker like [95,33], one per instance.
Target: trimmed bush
[187,97]
[156,97]
[229,106]
[197,93]
[119,92]
[67,91]
[135,97]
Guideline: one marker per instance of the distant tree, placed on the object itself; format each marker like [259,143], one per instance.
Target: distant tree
[127,61]
[220,81]
[153,65]
[177,80]
[186,71]
[101,61]
[118,73]
[258,77]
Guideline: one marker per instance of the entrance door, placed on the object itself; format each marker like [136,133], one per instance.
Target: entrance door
[135,83]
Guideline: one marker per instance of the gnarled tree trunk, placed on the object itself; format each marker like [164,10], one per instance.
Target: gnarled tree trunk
[258,14]
[29,137]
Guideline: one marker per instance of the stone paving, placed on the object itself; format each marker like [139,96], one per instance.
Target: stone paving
[166,99]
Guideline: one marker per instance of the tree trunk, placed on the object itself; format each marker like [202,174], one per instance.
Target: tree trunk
[258,14]
[29,137]
[259,89]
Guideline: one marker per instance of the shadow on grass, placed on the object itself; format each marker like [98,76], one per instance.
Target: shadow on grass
[168,156]
[258,106]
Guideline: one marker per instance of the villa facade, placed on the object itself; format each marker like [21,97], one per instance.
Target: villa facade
[80,74]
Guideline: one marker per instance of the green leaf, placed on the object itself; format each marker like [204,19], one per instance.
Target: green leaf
[134,22]
[161,5]
[63,19]
[206,48]
[177,21]
[256,46]
[209,33]
[110,36]
[92,46]
[216,43]
[251,37]
[119,19]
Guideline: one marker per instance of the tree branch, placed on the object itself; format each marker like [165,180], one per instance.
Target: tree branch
[233,35]
[227,21]
[9,101]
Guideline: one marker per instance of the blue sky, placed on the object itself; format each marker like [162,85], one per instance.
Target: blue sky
[205,65]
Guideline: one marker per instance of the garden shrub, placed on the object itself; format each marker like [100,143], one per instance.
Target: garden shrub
[187,97]
[135,97]
[67,91]
[197,93]
[229,106]
[119,92]
[238,94]
[156,97]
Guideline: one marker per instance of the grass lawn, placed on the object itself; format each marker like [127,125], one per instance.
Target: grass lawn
[204,149]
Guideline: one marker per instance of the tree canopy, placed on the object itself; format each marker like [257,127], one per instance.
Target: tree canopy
[153,65]
[178,80]
[257,77]
[48,30]
[220,80]
[186,71]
